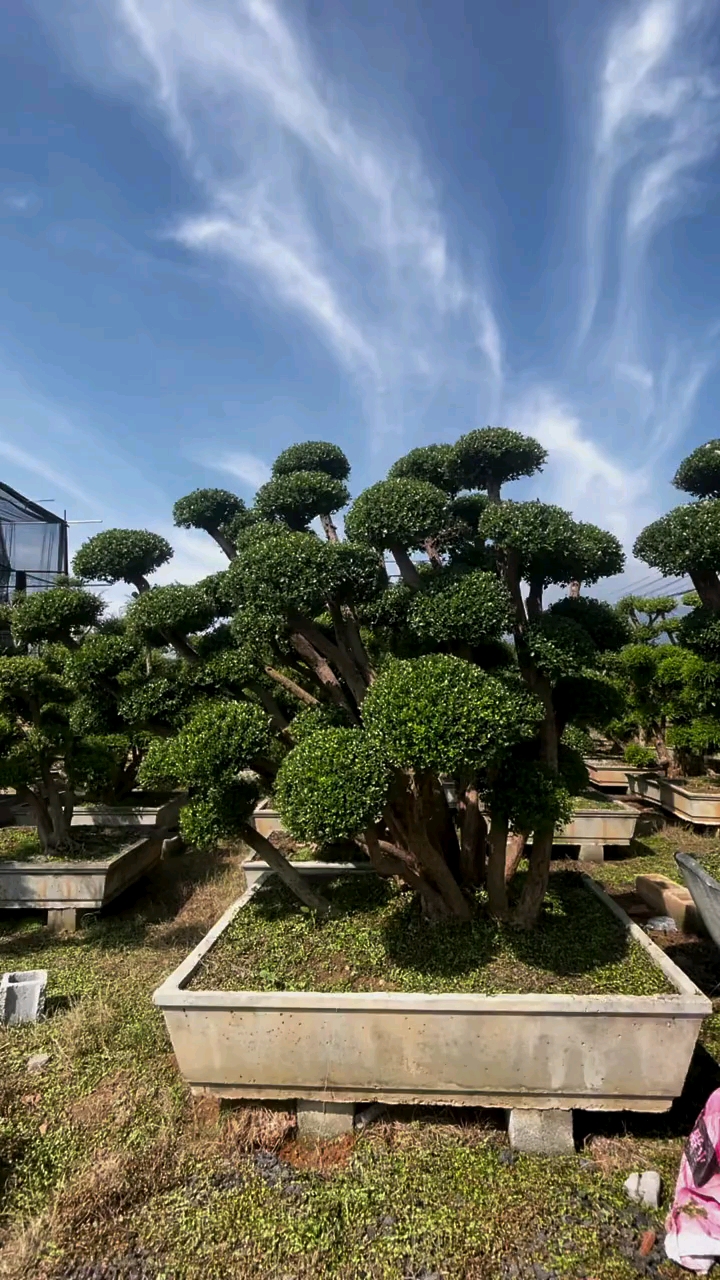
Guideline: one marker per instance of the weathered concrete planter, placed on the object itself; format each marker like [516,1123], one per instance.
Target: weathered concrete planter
[698,807]
[611,774]
[266,819]
[139,812]
[66,889]
[529,1052]
[592,829]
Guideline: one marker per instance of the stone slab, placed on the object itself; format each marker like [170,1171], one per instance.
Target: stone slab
[667,898]
[22,996]
[324,1121]
[541,1133]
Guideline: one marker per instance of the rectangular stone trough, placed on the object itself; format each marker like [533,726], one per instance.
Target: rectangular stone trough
[330,1051]
[140,811]
[698,807]
[610,774]
[266,819]
[66,889]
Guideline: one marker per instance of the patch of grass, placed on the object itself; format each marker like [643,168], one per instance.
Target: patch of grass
[376,938]
[594,800]
[652,854]
[705,783]
[89,844]
[108,1168]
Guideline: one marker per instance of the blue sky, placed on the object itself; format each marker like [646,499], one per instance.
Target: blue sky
[226,225]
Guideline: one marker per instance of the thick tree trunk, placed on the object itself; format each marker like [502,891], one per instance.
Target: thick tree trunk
[535,600]
[292,687]
[473,840]
[390,860]
[433,554]
[287,873]
[433,859]
[331,532]
[270,705]
[224,543]
[348,668]
[497,892]
[323,673]
[707,585]
[407,569]
[574,589]
[515,854]
[536,883]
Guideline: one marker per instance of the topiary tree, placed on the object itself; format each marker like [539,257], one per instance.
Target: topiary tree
[649,617]
[399,516]
[122,555]
[300,497]
[381,691]
[220,757]
[216,511]
[304,499]
[44,756]
[490,457]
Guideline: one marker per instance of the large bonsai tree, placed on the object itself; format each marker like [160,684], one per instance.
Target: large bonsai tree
[48,749]
[383,691]
[681,689]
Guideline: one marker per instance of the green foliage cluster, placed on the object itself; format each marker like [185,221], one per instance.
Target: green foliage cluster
[446,715]
[685,540]
[550,545]
[121,555]
[494,455]
[401,512]
[298,497]
[209,509]
[312,455]
[332,785]
[699,473]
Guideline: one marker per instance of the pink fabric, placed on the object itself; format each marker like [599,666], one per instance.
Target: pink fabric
[693,1224]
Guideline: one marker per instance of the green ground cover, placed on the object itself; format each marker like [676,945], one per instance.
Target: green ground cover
[377,939]
[594,800]
[108,1170]
[89,844]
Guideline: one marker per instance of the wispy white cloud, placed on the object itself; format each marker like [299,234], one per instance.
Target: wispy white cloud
[657,120]
[337,220]
[246,467]
[36,466]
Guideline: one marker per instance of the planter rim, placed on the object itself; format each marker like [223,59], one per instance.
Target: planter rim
[688,1000]
[677,785]
[67,868]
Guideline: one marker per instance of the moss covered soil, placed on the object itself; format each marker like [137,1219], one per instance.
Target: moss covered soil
[594,800]
[376,939]
[110,1171]
[89,844]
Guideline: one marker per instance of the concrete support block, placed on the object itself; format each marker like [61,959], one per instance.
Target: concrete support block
[323,1121]
[666,898]
[63,919]
[592,853]
[541,1133]
[22,996]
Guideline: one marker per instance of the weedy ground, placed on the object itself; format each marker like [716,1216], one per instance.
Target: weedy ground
[110,1171]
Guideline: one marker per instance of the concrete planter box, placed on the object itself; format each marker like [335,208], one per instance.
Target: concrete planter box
[592,829]
[65,889]
[698,807]
[529,1052]
[611,774]
[143,811]
[266,819]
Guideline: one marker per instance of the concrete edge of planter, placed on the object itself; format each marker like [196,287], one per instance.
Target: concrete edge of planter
[74,865]
[172,993]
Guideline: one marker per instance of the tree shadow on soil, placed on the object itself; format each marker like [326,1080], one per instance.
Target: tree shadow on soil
[575,935]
